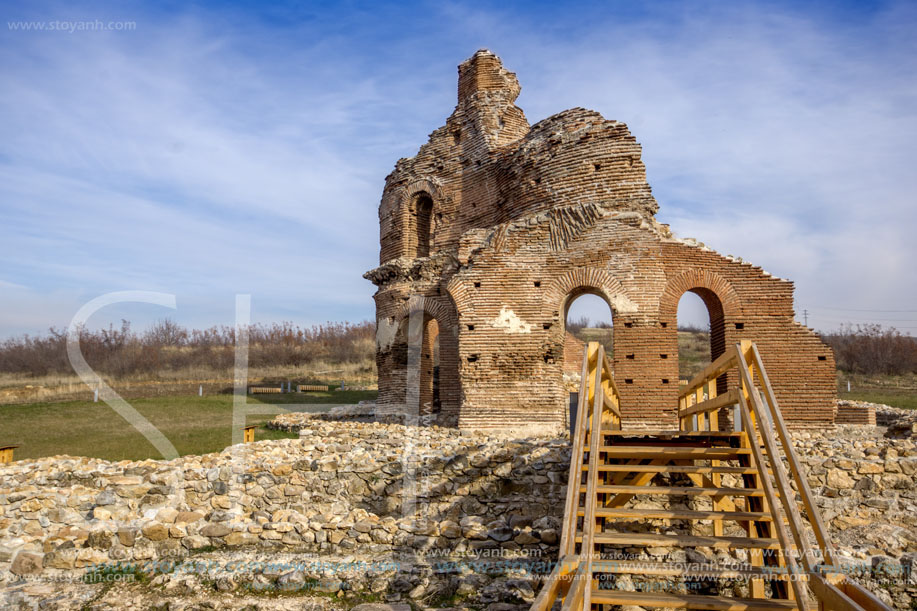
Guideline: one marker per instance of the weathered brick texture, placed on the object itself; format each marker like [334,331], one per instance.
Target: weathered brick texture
[494,227]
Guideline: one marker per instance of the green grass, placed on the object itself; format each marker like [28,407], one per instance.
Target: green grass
[194,425]
[895,390]
[902,400]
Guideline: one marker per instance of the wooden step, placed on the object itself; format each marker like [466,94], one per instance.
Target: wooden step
[676,490]
[680,514]
[674,453]
[687,601]
[667,434]
[667,569]
[656,540]
[675,469]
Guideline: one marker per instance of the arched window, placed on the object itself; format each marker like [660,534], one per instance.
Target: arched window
[423,220]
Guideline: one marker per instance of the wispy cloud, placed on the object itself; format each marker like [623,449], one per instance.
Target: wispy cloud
[240,149]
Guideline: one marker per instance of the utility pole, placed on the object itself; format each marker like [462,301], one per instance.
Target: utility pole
[805,315]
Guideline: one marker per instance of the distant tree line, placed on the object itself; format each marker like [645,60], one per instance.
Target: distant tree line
[867,349]
[583,322]
[873,349]
[168,346]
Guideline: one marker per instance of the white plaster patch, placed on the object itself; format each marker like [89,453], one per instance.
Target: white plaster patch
[622,305]
[509,322]
[385,334]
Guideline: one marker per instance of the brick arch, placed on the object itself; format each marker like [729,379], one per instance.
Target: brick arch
[586,279]
[692,280]
[430,186]
[722,304]
[419,221]
[441,308]
[461,295]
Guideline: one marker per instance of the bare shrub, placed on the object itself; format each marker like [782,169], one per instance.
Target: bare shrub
[167,346]
[873,349]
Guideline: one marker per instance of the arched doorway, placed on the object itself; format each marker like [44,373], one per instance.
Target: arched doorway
[587,317]
[701,332]
[422,385]
[417,360]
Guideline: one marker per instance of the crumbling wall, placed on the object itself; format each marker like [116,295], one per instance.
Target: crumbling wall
[524,220]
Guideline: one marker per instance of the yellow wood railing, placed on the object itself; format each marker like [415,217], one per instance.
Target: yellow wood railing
[598,408]
[761,428]
[757,413]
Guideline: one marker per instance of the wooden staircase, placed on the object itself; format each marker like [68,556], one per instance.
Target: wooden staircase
[695,518]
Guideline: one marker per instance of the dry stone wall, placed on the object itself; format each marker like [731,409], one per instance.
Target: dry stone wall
[339,494]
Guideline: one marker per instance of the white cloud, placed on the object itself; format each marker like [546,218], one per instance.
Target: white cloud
[210,154]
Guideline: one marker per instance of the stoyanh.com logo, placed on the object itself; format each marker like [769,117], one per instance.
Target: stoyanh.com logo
[72,26]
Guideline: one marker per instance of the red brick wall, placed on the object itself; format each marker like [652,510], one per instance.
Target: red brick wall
[524,218]
[573,354]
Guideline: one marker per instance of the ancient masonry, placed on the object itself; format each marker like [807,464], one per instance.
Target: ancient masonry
[495,226]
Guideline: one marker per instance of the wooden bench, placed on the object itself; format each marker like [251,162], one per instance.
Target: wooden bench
[263,390]
[312,388]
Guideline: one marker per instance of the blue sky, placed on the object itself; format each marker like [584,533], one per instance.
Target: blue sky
[218,149]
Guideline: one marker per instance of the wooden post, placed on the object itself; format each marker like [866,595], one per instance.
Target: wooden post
[249,433]
[6,454]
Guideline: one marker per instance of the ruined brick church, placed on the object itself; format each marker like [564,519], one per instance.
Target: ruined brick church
[496,226]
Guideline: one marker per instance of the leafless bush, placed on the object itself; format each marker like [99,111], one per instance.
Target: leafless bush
[584,322]
[693,328]
[873,349]
[167,346]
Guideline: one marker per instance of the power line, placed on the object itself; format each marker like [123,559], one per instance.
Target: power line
[857,310]
[870,319]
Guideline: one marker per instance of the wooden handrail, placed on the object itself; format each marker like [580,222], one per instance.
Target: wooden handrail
[567,543]
[802,482]
[787,495]
[554,584]
[730,398]
[763,417]
[784,539]
[759,415]
[592,479]
[721,365]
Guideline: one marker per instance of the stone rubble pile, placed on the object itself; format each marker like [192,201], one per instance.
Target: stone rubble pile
[899,422]
[343,490]
[426,514]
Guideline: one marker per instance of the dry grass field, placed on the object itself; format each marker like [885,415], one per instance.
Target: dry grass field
[194,425]
[20,388]
[693,347]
